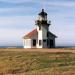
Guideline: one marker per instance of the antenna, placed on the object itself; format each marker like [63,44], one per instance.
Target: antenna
[43,4]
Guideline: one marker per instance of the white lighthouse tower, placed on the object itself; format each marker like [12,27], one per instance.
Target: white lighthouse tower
[42,29]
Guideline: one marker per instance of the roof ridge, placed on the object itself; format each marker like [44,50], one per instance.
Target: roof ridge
[31,33]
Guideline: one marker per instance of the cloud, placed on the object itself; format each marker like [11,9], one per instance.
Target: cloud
[12,37]
[16,1]
[53,3]
[17,17]
[17,11]
[17,22]
[65,33]
[60,4]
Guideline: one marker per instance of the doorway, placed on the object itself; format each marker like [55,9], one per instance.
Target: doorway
[34,42]
[50,43]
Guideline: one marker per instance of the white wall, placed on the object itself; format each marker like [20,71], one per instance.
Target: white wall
[42,34]
[27,43]
[39,37]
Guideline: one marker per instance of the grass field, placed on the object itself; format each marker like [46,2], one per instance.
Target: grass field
[36,63]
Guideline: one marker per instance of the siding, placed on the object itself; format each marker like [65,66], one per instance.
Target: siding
[27,43]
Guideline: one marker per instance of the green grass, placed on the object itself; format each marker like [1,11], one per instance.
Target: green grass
[36,63]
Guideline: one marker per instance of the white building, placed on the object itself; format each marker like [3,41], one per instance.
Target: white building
[40,37]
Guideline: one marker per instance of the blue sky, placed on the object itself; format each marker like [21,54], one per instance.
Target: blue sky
[17,17]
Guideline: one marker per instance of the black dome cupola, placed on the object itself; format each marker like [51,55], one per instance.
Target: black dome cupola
[42,19]
[42,13]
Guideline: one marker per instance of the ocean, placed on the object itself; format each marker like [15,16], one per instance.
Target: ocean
[11,46]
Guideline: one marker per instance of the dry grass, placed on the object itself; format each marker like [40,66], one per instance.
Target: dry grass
[21,62]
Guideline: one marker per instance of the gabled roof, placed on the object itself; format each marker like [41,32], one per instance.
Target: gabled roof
[34,33]
[52,34]
[31,34]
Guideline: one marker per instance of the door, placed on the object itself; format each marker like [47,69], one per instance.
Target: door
[51,44]
[45,43]
[34,42]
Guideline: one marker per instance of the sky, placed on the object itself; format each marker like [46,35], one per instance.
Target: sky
[17,18]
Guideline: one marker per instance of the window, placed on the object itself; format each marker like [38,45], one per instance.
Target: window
[34,42]
[40,42]
[47,34]
[47,42]
[44,40]
[39,27]
[51,43]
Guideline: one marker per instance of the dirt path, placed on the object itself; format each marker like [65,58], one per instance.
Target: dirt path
[39,50]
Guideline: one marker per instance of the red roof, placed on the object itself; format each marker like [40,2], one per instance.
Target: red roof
[34,33]
[31,34]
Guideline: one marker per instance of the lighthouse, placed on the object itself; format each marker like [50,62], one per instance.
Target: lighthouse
[42,25]
[40,37]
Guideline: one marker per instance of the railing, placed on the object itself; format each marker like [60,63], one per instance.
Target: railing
[44,22]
